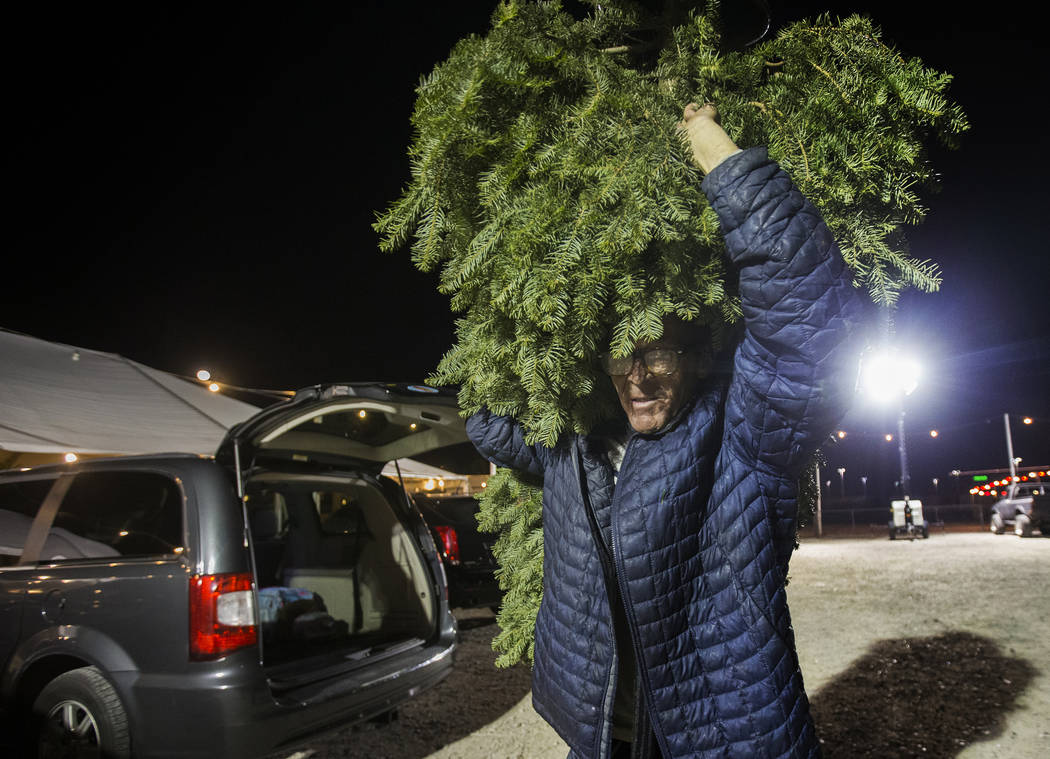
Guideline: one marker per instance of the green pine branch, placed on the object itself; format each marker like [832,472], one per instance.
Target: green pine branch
[553,195]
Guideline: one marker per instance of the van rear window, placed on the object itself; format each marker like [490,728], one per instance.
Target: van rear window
[121,514]
[19,502]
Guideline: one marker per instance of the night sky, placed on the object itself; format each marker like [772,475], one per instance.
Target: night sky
[196,188]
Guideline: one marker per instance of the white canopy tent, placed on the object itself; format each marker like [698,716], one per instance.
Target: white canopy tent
[57,399]
[424,478]
[417,469]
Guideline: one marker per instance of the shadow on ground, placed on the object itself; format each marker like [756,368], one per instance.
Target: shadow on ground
[475,694]
[928,697]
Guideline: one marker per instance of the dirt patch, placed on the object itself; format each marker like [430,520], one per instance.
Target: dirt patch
[919,697]
[974,599]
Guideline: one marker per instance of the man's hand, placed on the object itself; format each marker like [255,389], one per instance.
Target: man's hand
[710,144]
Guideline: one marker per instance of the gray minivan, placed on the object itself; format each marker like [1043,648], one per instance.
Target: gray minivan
[178,605]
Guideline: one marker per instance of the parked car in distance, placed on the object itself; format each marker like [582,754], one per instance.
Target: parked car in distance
[1026,505]
[465,551]
[179,605]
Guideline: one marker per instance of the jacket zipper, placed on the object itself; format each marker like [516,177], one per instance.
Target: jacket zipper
[609,571]
[632,626]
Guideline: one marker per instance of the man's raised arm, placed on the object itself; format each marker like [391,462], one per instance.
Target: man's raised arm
[795,371]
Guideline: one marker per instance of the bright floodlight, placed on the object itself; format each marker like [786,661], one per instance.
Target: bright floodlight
[203,375]
[886,376]
[214,387]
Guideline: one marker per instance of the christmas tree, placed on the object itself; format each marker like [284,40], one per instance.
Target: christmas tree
[554,195]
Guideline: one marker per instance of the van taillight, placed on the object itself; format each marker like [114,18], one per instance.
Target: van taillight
[222,615]
[450,543]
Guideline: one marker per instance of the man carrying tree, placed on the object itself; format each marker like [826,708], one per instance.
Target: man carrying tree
[565,218]
[664,628]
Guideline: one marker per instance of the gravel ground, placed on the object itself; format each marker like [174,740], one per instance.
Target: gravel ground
[931,648]
[957,628]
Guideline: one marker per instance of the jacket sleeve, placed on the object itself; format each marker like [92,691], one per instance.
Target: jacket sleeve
[501,440]
[795,371]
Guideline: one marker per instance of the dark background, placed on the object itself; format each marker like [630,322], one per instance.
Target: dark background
[195,187]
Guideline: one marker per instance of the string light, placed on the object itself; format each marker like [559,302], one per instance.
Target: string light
[205,377]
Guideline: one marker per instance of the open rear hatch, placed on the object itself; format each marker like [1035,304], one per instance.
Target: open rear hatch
[347,577]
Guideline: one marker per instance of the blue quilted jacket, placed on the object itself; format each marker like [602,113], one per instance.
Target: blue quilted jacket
[696,534]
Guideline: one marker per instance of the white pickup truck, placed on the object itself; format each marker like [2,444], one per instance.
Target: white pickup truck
[1026,505]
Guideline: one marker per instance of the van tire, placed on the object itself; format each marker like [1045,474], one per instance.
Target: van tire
[996,523]
[1022,526]
[85,700]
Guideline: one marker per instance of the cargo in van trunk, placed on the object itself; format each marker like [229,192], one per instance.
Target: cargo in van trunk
[337,571]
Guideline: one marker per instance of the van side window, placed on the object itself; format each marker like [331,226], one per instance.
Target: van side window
[121,514]
[19,502]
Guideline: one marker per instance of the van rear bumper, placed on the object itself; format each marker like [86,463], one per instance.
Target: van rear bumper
[232,712]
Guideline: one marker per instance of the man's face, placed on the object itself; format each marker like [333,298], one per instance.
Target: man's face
[650,399]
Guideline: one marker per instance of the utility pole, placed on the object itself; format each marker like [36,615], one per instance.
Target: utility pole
[903,451]
[1010,447]
[820,519]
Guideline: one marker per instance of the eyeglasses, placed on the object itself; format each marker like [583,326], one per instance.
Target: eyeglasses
[655,360]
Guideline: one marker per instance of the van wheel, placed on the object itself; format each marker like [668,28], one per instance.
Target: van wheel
[1022,526]
[78,714]
[996,523]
